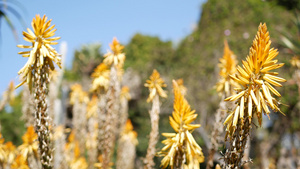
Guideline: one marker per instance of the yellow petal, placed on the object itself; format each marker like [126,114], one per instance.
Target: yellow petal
[253,97]
[273,90]
[272,81]
[242,108]
[275,78]
[236,115]
[250,107]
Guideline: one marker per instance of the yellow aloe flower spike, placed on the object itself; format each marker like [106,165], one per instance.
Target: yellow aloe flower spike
[127,147]
[78,162]
[100,78]
[8,96]
[258,81]
[30,144]
[41,53]
[92,107]
[128,130]
[182,88]
[256,96]
[78,94]
[181,149]
[2,149]
[125,93]
[116,57]
[20,163]
[295,61]
[11,152]
[227,67]
[155,85]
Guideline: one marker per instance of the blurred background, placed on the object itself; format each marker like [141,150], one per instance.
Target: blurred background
[180,40]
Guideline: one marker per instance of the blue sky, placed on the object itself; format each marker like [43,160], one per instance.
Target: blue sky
[82,22]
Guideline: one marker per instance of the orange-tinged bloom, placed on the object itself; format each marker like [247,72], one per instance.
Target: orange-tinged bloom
[100,78]
[227,67]
[2,149]
[30,143]
[125,93]
[295,61]
[78,162]
[20,163]
[129,129]
[11,152]
[116,57]
[155,85]
[41,53]
[257,80]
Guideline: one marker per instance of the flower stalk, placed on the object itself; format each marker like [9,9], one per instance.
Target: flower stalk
[100,84]
[224,87]
[36,74]
[115,60]
[79,99]
[155,85]
[127,147]
[181,150]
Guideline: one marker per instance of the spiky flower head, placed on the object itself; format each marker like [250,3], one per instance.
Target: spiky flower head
[100,78]
[71,141]
[181,86]
[125,93]
[227,67]
[30,143]
[78,162]
[2,149]
[41,40]
[257,80]
[181,147]
[116,56]
[20,163]
[295,61]
[11,152]
[78,94]
[129,132]
[155,85]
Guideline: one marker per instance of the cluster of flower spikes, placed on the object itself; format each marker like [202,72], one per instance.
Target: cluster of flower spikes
[181,148]
[155,85]
[41,53]
[257,80]
[227,67]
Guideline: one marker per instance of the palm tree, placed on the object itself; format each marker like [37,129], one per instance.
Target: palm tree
[8,7]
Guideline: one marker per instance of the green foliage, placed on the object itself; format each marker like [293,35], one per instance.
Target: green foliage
[85,61]
[288,4]
[146,52]
[12,127]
